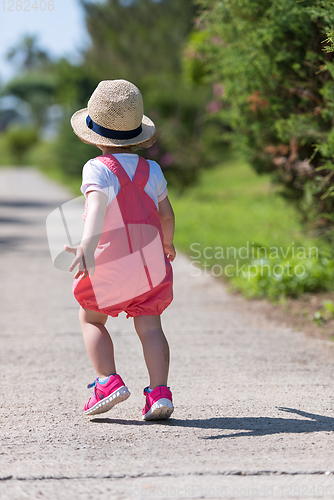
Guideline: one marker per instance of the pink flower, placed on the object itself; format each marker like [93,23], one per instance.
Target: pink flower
[214,107]
[218,89]
[166,160]
[216,40]
[154,151]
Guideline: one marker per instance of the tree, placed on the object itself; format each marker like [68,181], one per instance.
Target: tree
[27,55]
[35,83]
[142,41]
[135,40]
[278,91]
[37,89]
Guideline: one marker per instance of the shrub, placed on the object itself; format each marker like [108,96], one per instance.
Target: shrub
[324,314]
[19,140]
[277,278]
[278,97]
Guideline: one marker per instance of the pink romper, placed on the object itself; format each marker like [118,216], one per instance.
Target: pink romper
[132,272]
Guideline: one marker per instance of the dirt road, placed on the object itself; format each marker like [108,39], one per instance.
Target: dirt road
[254,404]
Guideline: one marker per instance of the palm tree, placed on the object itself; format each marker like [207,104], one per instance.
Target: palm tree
[28,55]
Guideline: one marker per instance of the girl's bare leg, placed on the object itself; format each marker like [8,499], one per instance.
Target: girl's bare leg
[155,348]
[98,342]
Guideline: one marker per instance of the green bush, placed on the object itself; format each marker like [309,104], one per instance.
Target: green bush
[277,278]
[70,152]
[142,41]
[324,314]
[19,140]
[278,99]
[177,109]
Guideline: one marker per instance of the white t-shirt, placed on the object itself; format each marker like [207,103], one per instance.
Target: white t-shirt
[97,177]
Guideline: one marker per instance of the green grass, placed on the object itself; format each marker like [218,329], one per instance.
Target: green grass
[6,158]
[234,208]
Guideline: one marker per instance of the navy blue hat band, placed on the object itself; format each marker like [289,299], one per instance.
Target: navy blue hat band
[112,134]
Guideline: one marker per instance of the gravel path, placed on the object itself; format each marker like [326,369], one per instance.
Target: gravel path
[253,400]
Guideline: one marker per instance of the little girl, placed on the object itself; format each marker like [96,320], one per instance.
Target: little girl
[127,246]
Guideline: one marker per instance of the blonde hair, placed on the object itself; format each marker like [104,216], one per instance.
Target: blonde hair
[142,145]
[146,144]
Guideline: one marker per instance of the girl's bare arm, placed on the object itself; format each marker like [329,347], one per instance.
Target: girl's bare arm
[84,253]
[167,220]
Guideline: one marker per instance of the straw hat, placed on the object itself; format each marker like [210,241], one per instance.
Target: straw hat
[114,116]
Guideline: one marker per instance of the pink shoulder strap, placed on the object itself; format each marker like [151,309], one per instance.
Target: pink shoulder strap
[114,165]
[142,173]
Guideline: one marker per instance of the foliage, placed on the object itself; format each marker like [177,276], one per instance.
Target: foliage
[75,84]
[233,209]
[180,149]
[19,140]
[42,155]
[278,97]
[34,83]
[5,153]
[277,278]
[325,313]
[34,86]
[36,89]
[143,41]
[27,55]
[231,206]
[71,153]
[137,39]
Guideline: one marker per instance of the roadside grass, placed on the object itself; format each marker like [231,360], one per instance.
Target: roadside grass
[6,158]
[236,218]
[232,206]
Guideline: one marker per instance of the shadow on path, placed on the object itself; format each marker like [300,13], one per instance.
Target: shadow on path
[19,214]
[29,204]
[15,220]
[12,242]
[247,426]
